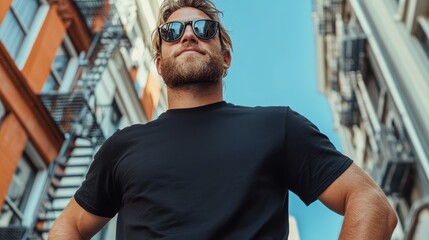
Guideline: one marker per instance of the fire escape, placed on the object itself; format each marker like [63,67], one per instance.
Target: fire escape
[394,161]
[78,116]
[352,52]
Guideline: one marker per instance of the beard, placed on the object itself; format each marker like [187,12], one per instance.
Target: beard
[192,70]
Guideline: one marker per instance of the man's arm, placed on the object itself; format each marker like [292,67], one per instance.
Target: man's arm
[367,212]
[76,223]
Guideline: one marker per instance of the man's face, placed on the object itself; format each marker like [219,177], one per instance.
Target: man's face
[191,60]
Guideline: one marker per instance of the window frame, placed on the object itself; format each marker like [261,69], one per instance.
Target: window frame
[30,37]
[65,83]
[22,30]
[401,9]
[116,114]
[19,19]
[422,35]
[54,73]
[3,111]
[18,209]
[36,190]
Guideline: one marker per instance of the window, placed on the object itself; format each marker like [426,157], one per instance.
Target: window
[115,117]
[63,68]
[2,111]
[25,190]
[399,9]
[141,80]
[423,34]
[17,23]
[58,69]
[12,213]
[133,35]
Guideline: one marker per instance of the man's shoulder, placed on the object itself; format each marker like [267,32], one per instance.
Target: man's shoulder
[127,134]
[126,131]
[122,139]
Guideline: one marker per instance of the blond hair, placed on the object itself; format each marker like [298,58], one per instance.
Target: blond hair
[207,6]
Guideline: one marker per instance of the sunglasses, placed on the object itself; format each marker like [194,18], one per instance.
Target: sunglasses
[203,28]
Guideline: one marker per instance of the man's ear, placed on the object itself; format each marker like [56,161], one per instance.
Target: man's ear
[227,59]
[158,65]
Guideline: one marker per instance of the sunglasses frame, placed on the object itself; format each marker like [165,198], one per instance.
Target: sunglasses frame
[192,23]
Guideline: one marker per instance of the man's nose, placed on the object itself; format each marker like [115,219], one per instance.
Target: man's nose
[188,35]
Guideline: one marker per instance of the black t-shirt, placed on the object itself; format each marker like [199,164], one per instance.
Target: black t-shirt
[218,171]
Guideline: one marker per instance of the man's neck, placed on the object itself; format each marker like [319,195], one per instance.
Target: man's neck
[194,96]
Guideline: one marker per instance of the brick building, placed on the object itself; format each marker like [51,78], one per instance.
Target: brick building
[71,73]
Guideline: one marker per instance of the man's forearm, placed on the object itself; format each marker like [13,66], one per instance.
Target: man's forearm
[368,216]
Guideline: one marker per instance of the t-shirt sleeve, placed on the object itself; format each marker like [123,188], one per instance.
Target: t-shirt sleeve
[99,193]
[313,163]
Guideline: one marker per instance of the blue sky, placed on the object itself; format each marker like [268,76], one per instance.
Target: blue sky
[274,64]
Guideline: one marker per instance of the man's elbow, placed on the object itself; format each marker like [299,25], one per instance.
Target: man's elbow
[392,219]
[385,209]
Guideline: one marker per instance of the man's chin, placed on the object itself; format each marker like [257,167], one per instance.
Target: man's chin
[192,70]
[190,54]
[191,59]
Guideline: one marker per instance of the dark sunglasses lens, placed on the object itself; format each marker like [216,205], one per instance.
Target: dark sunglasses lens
[205,29]
[171,31]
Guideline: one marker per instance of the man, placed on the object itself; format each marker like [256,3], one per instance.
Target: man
[207,169]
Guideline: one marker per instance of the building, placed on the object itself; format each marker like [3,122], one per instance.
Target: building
[373,66]
[71,73]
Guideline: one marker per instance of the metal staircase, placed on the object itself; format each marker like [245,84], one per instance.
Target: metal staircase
[72,113]
[78,116]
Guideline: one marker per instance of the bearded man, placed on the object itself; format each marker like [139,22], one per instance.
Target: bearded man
[208,169]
